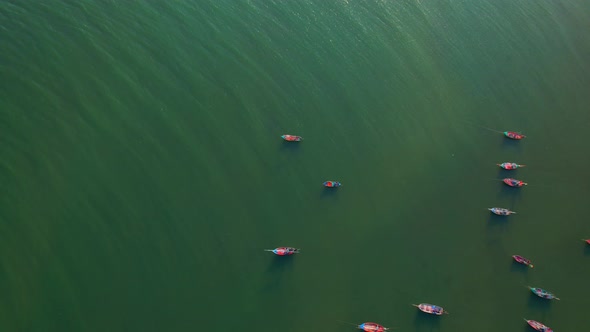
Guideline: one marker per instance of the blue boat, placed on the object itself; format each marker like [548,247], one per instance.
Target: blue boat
[332,184]
[543,293]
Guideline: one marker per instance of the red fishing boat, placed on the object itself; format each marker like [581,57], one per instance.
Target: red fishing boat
[538,326]
[501,211]
[292,138]
[372,327]
[510,166]
[513,135]
[522,260]
[587,241]
[283,251]
[514,182]
[430,309]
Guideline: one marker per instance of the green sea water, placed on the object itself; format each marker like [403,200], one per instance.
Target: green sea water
[143,173]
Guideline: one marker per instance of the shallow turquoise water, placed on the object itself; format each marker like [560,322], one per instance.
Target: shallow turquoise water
[143,172]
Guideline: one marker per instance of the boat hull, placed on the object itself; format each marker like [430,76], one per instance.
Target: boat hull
[430,309]
[543,293]
[332,184]
[522,260]
[372,327]
[292,138]
[285,251]
[538,326]
[501,211]
[514,135]
[514,182]
[509,166]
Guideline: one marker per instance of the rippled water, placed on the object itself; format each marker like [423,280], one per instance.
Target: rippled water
[143,172]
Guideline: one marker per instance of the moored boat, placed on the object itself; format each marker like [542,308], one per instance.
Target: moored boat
[332,184]
[514,182]
[284,251]
[430,309]
[501,211]
[514,135]
[372,327]
[543,293]
[292,138]
[510,166]
[538,326]
[522,260]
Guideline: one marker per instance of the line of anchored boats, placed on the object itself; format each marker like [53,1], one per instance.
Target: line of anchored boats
[520,259]
[431,308]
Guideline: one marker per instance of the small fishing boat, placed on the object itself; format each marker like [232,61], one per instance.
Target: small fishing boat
[514,182]
[510,166]
[501,211]
[430,309]
[513,135]
[283,251]
[538,326]
[543,293]
[522,260]
[372,327]
[587,241]
[292,138]
[332,184]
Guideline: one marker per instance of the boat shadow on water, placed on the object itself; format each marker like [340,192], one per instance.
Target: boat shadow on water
[514,194]
[329,193]
[587,250]
[276,271]
[294,147]
[498,223]
[426,322]
[517,267]
[536,303]
[514,145]
[503,173]
[281,264]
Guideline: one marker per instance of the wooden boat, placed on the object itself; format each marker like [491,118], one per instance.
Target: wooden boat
[514,135]
[283,251]
[430,309]
[514,182]
[522,260]
[501,211]
[292,138]
[510,166]
[332,184]
[372,327]
[543,293]
[538,326]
